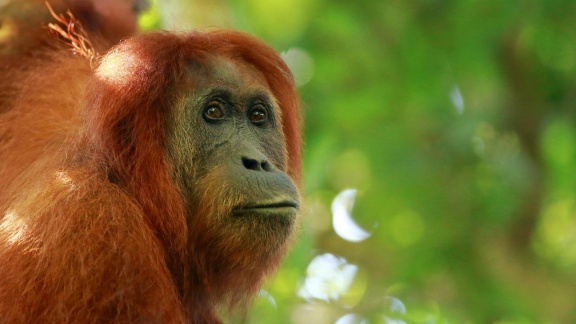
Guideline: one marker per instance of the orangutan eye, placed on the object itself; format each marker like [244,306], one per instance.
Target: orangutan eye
[258,115]
[214,112]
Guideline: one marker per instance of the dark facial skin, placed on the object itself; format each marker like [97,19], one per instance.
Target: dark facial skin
[231,127]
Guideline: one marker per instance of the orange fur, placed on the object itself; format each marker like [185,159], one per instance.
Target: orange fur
[93,228]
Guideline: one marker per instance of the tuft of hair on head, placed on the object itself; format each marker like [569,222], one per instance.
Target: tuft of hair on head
[69,30]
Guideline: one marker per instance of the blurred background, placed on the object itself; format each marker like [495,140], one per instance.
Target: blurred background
[453,121]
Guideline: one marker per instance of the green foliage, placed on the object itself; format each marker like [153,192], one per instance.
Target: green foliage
[150,19]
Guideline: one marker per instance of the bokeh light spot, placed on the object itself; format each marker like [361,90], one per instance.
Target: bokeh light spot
[328,277]
[407,228]
[342,221]
[351,169]
[301,64]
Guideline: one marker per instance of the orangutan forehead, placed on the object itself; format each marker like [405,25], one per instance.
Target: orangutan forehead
[235,74]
